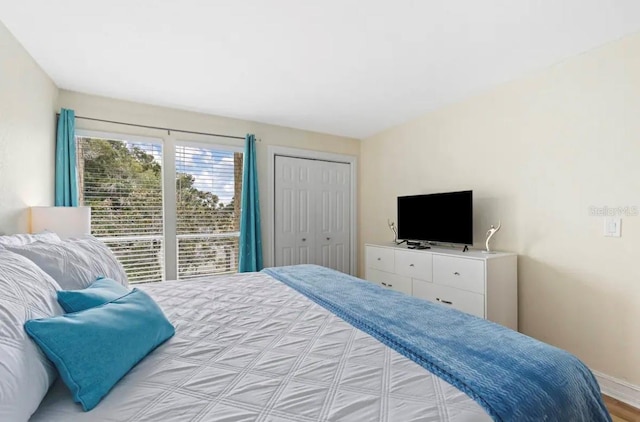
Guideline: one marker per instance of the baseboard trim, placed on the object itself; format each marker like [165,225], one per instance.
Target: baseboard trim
[619,389]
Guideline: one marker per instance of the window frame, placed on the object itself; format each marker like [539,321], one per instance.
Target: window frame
[81,133]
[169,148]
[174,225]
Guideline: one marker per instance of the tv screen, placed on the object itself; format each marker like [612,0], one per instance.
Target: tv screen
[441,217]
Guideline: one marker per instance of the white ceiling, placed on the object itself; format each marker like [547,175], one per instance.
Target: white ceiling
[346,67]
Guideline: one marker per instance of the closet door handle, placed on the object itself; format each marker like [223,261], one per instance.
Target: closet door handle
[328,238]
[384,284]
[304,239]
[379,259]
[456,273]
[411,265]
[448,302]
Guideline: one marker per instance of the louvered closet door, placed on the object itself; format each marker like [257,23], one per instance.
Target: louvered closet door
[312,212]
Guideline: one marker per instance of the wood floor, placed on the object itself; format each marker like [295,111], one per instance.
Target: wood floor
[621,412]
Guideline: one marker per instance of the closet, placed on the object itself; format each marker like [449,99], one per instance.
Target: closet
[312,201]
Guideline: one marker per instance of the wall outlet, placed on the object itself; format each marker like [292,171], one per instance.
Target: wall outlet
[612,226]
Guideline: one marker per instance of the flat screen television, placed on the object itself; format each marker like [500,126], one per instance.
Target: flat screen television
[440,217]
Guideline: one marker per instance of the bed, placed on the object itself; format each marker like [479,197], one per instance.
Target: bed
[298,343]
[248,347]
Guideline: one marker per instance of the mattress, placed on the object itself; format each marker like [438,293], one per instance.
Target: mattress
[248,347]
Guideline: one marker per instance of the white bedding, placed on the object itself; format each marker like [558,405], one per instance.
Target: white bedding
[248,347]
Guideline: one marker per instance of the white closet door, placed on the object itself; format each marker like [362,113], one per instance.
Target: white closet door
[312,210]
[295,204]
[333,209]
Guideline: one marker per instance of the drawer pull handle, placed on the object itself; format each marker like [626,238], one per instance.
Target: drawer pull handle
[379,259]
[328,238]
[411,265]
[304,239]
[390,285]
[456,273]
[384,284]
[448,302]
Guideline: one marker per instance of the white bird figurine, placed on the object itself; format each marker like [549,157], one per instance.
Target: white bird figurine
[392,226]
[490,234]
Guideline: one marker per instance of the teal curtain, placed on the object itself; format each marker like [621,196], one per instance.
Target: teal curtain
[250,238]
[66,170]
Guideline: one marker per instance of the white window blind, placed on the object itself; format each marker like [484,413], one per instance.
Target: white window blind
[122,183]
[208,189]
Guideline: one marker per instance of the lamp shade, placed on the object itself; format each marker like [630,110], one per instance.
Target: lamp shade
[65,221]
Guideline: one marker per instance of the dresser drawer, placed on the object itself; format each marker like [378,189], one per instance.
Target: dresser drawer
[380,259]
[414,264]
[471,303]
[462,273]
[390,281]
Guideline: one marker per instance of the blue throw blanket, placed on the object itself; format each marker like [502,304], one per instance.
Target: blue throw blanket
[512,376]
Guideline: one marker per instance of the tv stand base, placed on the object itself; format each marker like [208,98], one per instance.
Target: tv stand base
[418,245]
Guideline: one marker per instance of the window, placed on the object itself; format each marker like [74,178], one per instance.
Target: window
[122,183]
[125,184]
[208,187]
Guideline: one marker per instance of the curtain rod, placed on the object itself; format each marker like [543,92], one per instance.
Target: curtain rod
[169,130]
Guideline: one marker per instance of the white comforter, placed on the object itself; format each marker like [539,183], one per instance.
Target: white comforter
[248,347]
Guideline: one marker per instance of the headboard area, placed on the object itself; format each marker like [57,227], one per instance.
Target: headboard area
[17,198]
[13,221]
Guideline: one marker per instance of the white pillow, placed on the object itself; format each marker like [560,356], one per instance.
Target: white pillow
[25,239]
[74,263]
[26,292]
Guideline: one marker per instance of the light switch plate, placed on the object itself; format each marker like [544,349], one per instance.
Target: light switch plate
[612,226]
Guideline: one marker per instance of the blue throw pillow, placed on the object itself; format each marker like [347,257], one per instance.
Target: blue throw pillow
[94,348]
[102,290]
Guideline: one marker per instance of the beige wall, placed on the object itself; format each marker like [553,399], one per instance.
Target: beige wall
[123,111]
[538,153]
[27,134]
